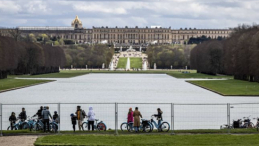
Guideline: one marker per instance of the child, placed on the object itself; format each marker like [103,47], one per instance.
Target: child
[12,120]
[73,120]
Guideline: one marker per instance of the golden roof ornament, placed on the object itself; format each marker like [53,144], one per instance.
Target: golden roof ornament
[77,20]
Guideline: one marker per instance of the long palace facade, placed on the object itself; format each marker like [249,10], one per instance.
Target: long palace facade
[124,35]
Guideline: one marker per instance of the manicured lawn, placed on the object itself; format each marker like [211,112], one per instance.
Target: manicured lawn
[230,87]
[122,63]
[10,83]
[193,74]
[62,74]
[136,62]
[144,140]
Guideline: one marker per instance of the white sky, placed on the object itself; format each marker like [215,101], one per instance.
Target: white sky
[121,13]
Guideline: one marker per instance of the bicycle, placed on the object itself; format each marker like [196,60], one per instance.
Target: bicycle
[124,126]
[101,126]
[53,126]
[257,123]
[247,123]
[18,126]
[163,127]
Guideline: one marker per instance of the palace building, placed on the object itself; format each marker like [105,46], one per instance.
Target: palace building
[126,35]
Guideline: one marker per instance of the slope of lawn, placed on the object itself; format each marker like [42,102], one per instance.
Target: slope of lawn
[136,62]
[11,83]
[148,140]
[122,63]
[230,87]
[194,74]
[62,74]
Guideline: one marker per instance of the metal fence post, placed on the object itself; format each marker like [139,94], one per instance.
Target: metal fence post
[1,134]
[116,118]
[228,117]
[172,118]
[59,118]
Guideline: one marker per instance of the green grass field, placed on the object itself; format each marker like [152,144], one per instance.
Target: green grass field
[62,74]
[136,62]
[230,87]
[195,75]
[148,140]
[122,63]
[10,83]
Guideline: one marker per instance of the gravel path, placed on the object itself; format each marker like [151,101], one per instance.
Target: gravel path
[17,140]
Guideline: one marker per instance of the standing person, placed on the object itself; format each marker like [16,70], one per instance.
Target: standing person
[136,115]
[159,116]
[73,120]
[130,117]
[91,118]
[80,116]
[45,116]
[39,113]
[23,115]
[12,120]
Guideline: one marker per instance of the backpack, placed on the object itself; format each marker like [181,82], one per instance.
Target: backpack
[84,114]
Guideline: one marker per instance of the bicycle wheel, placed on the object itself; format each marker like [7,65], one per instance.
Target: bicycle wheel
[147,128]
[251,125]
[85,126]
[130,128]
[164,127]
[124,126]
[101,127]
[9,128]
[25,125]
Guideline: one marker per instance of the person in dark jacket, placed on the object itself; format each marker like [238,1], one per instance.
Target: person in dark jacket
[159,116]
[73,120]
[39,113]
[23,115]
[12,120]
[45,116]
[56,117]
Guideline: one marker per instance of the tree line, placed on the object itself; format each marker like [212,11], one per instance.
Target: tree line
[20,57]
[91,55]
[237,55]
[165,56]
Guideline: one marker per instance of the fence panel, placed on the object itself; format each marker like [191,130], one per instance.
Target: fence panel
[199,116]
[241,110]
[146,109]
[31,109]
[103,111]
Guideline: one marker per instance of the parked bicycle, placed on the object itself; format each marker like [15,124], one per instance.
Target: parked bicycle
[257,123]
[247,123]
[101,126]
[53,126]
[19,125]
[125,126]
[163,127]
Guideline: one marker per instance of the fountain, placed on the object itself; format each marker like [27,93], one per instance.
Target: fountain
[130,49]
[103,66]
[128,64]
[145,65]
[111,65]
[140,49]
[121,49]
[154,66]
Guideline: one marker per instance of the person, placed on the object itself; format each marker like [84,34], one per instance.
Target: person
[91,118]
[12,120]
[45,116]
[130,117]
[136,115]
[56,117]
[73,120]
[39,113]
[80,116]
[23,115]
[159,116]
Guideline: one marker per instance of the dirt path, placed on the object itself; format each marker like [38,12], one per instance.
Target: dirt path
[17,140]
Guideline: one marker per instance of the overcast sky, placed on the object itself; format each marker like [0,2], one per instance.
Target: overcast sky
[121,13]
